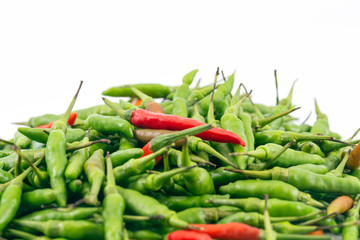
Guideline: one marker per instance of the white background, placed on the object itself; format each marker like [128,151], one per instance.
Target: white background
[47,47]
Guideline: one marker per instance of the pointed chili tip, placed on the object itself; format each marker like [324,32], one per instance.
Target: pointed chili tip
[195,227]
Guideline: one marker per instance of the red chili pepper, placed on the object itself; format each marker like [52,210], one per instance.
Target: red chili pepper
[145,119]
[147,151]
[71,121]
[229,231]
[188,235]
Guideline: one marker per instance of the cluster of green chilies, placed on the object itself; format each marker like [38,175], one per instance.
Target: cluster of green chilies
[178,163]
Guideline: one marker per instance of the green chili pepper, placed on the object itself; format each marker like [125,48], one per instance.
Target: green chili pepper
[147,206]
[56,161]
[76,161]
[283,105]
[113,206]
[94,168]
[283,137]
[219,95]
[316,168]
[108,124]
[120,157]
[70,229]
[152,89]
[21,140]
[136,165]
[179,203]
[287,158]
[10,200]
[181,95]
[146,183]
[221,177]
[27,236]
[231,122]
[321,125]
[77,213]
[201,215]
[9,161]
[35,199]
[306,180]
[144,234]
[75,186]
[274,189]
[197,180]
[127,143]
[310,147]
[5,176]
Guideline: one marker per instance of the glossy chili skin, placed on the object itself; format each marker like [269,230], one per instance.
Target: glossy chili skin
[56,161]
[152,89]
[77,213]
[274,189]
[113,206]
[73,229]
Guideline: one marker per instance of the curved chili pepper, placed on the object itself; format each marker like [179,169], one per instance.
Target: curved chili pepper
[354,159]
[352,231]
[145,119]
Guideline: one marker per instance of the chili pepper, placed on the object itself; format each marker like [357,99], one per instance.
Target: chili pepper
[145,119]
[56,161]
[71,121]
[9,161]
[288,158]
[152,89]
[274,188]
[21,140]
[316,168]
[197,180]
[10,198]
[222,177]
[119,157]
[340,204]
[61,214]
[147,206]
[283,137]
[94,168]
[146,183]
[352,231]
[230,122]
[188,235]
[317,233]
[70,229]
[75,185]
[41,136]
[201,215]
[136,165]
[27,236]
[5,176]
[126,105]
[338,171]
[179,203]
[329,146]
[310,147]
[354,159]
[321,125]
[144,234]
[181,95]
[32,200]
[199,94]
[306,180]
[113,205]
[108,124]
[76,161]
[127,143]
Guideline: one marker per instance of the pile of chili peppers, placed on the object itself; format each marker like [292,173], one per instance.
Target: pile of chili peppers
[179,162]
